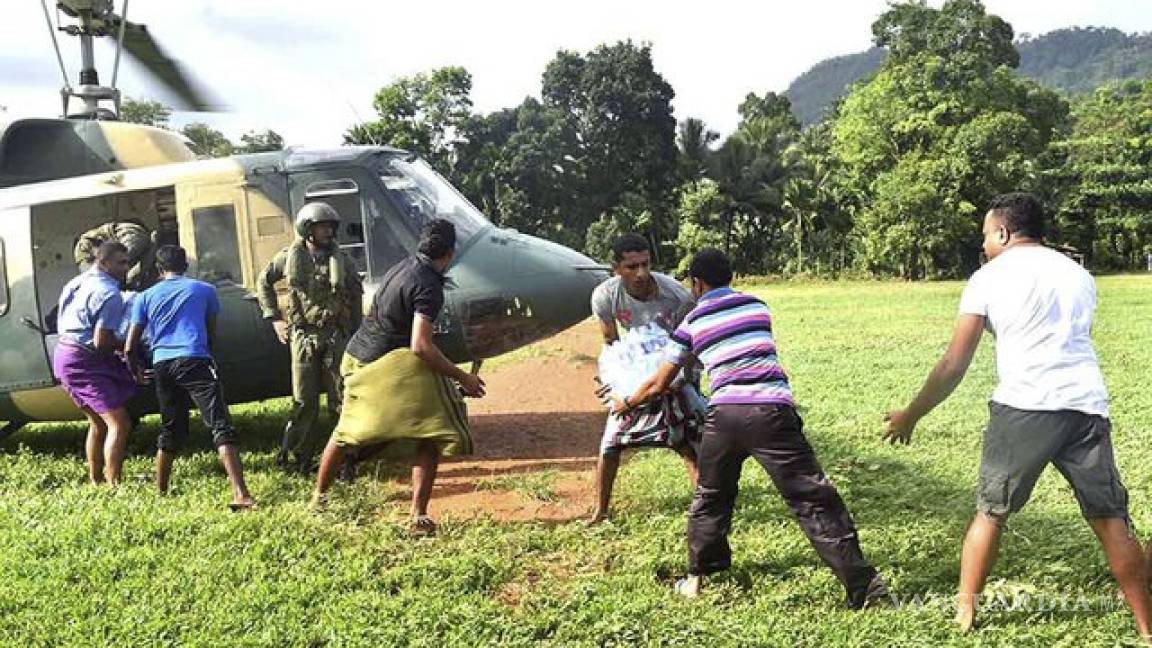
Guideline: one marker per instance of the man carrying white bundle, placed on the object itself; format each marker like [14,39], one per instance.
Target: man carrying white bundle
[634,298]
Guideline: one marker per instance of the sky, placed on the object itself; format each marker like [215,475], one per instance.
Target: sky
[308,70]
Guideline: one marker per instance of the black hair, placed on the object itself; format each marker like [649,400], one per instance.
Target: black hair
[712,267]
[437,239]
[108,248]
[630,242]
[1021,214]
[172,258]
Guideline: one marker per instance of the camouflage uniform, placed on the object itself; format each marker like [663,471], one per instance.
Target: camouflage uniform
[321,317]
[141,252]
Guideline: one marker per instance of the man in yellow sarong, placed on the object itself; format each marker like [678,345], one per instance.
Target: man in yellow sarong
[397,383]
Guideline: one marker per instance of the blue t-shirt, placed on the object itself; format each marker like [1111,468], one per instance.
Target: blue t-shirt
[88,302]
[175,313]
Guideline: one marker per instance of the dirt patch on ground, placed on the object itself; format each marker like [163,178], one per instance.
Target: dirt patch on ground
[536,435]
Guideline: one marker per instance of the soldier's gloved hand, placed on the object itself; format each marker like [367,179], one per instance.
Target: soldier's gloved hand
[281,328]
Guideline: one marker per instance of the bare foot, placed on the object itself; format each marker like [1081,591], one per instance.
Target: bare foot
[597,518]
[319,501]
[965,618]
[245,503]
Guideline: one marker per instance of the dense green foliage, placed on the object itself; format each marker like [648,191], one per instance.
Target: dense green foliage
[893,183]
[87,567]
[1075,61]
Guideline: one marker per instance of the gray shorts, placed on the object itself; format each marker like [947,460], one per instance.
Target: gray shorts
[1018,444]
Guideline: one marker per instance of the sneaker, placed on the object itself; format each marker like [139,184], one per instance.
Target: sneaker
[876,595]
[689,586]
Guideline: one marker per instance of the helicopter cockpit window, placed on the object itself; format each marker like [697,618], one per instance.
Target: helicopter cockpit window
[422,195]
[217,246]
[344,196]
[3,281]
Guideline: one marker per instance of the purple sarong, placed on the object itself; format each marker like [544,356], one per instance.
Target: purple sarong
[99,382]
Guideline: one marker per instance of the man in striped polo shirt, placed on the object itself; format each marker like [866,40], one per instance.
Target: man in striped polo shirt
[751,413]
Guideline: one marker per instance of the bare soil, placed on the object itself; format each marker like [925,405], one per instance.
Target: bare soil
[540,416]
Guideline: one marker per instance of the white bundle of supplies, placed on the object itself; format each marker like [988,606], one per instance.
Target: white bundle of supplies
[628,362]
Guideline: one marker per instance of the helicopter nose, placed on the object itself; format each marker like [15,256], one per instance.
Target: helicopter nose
[511,289]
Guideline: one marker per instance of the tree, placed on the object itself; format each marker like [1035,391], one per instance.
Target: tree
[260,141]
[694,141]
[1102,181]
[207,141]
[143,111]
[621,111]
[751,169]
[424,113]
[943,126]
[960,30]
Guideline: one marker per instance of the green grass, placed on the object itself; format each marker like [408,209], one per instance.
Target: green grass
[88,567]
[539,486]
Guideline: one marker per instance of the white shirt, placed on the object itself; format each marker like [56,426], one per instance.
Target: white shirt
[1039,304]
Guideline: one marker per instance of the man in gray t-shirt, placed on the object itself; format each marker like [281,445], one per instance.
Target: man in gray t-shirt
[635,297]
[615,307]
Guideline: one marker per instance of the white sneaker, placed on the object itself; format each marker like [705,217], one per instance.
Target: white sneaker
[689,586]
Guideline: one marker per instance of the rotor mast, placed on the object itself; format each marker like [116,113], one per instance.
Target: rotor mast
[94,18]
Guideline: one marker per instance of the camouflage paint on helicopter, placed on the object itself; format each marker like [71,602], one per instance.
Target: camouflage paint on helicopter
[505,290]
[36,150]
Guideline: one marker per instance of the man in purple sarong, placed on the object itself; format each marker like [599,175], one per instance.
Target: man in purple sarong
[87,362]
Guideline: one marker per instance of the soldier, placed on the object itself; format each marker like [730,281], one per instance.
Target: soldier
[134,237]
[324,307]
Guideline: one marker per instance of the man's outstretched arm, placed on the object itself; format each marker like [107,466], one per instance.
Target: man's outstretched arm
[945,377]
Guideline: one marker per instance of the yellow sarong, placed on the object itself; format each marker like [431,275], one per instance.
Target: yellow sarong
[400,401]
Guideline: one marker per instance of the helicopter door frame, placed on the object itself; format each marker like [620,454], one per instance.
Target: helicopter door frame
[24,352]
[204,215]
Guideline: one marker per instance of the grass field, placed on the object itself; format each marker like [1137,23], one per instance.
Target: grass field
[82,566]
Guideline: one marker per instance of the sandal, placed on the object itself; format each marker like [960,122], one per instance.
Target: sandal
[422,526]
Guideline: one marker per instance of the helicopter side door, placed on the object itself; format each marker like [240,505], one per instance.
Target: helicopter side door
[215,216]
[23,356]
[365,232]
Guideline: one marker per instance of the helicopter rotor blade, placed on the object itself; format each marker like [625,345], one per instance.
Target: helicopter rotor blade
[138,42]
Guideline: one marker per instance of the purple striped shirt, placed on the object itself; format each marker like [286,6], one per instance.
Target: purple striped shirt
[731,333]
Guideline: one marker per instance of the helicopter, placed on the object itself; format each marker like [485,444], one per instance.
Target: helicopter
[62,177]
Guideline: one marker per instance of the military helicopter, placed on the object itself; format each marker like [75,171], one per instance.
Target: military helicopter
[61,177]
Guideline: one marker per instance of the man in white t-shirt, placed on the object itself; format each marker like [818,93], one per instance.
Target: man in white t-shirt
[1050,405]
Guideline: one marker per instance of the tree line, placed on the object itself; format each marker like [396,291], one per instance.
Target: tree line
[893,183]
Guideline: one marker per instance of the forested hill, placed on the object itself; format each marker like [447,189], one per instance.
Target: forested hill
[1074,61]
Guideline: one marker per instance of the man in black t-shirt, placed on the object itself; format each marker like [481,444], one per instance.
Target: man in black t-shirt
[403,311]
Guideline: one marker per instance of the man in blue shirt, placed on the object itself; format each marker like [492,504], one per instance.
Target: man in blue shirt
[180,316]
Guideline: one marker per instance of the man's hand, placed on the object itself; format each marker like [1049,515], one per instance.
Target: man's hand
[899,427]
[472,385]
[281,328]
